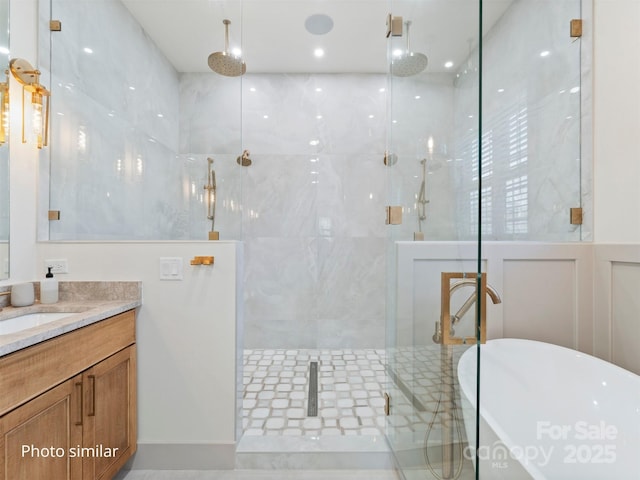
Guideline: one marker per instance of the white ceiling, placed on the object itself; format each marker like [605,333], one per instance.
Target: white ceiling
[273,38]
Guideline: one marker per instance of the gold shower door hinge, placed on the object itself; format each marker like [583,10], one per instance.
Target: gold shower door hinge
[575,215]
[394,215]
[55,25]
[54,214]
[576,28]
[394,26]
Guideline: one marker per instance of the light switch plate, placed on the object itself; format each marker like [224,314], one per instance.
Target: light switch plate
[171,268]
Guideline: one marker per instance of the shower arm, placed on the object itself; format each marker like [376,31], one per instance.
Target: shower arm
[226,35]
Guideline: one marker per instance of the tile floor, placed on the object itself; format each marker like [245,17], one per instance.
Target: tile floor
[350,392]
[350,404]
[257,475]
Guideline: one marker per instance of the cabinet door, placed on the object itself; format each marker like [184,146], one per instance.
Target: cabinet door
[110,414]
[39,439]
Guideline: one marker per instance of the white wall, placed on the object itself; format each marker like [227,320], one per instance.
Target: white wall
[187,339]
[616,121]
[23,158]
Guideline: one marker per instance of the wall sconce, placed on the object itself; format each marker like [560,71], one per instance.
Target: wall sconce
[4,109]
[29,77]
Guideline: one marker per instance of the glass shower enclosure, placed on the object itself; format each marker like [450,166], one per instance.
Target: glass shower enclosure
[483,146]
[433,139]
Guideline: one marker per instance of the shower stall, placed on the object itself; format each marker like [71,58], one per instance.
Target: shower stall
[370,190]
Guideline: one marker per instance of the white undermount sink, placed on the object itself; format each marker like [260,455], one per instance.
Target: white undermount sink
[30,320]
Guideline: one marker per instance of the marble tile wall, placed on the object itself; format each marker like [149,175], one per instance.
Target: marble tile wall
[132,154]
[114,111]
[309,208]
[532,70]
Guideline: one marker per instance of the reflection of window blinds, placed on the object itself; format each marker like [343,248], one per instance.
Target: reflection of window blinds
[516,197]
[518,138]
[516,204]
[505,199]
[487,225]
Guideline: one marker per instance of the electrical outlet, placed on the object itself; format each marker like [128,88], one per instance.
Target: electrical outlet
[58,265]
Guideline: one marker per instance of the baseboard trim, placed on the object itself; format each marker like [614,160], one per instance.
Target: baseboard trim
[183,456]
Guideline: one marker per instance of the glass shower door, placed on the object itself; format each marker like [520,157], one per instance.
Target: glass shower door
[433,191]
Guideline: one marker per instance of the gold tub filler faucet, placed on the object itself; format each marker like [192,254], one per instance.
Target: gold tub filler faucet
[444,332]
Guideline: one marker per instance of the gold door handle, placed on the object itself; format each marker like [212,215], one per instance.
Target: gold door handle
[78,387]
[92,412]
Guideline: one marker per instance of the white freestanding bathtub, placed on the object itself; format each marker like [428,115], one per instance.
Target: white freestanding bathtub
[549,412]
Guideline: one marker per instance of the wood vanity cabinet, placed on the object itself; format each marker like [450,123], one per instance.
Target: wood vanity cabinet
[83,425]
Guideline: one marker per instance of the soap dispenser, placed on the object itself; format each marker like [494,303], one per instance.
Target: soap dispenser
[49,289]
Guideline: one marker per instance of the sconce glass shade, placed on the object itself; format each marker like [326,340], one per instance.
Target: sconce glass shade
[29,77]
[4,109]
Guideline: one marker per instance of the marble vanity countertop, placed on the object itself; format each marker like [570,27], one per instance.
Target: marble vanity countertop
[87,303]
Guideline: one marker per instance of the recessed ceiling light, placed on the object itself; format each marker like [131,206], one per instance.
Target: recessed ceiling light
[318,24]
[545,53]
[318,52]
[87,50]
[448,64]
[318,89]
[252,89]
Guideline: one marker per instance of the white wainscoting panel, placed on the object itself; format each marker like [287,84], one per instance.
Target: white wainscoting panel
[546,289]
[540,300]
[617,304]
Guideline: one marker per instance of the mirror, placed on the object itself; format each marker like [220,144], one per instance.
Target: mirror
[4,140]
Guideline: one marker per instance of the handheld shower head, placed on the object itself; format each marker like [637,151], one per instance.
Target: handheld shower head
[225,63]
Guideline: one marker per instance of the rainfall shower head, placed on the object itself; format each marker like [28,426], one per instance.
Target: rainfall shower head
[225,63]
[408,63]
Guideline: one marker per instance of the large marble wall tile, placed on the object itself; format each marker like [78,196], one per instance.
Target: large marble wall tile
[280,278]
[103,52]
[531,121]
[113,181]
[210,114]
[228,205]
[351,302]
[304,113]
[351,197]
[421,109]
[279,196]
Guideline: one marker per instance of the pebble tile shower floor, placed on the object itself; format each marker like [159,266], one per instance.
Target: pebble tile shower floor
[350,392]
